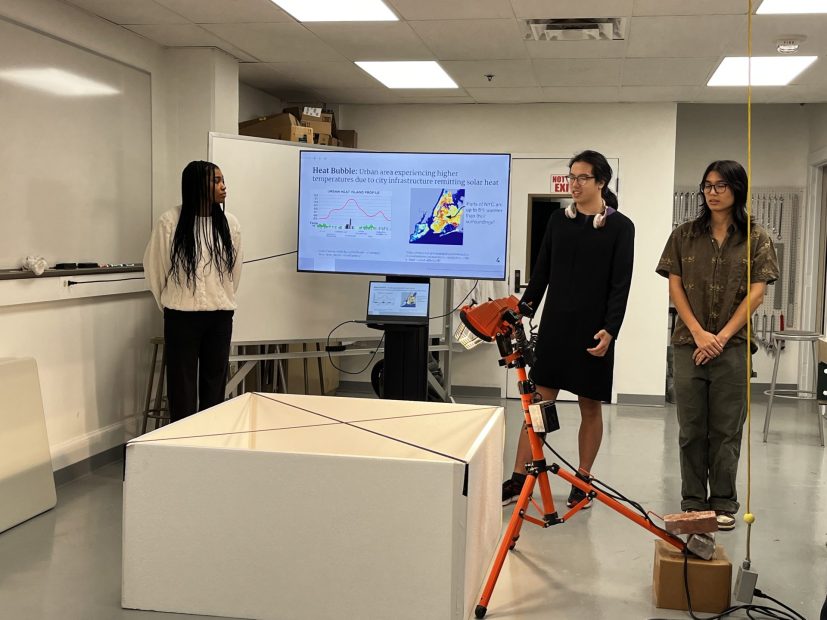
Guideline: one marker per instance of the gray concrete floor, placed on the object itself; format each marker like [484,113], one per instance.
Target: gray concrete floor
[66,564]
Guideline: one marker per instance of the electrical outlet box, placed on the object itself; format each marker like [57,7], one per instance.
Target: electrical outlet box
[745,585]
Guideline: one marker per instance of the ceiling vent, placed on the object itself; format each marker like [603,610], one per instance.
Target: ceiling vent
[579,29]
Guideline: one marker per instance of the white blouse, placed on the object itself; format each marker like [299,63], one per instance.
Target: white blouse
[210,292]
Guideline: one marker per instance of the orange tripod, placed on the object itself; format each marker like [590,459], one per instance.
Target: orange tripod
[501,320]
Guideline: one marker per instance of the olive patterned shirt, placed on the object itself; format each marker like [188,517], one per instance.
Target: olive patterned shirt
[714,277]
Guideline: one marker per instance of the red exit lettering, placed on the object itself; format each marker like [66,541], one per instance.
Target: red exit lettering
[559,184]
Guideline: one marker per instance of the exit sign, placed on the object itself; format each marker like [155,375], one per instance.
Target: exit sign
[560,184]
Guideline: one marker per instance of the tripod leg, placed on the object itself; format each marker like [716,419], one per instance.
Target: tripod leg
[512,532]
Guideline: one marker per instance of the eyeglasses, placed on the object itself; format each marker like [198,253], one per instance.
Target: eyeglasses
[718,188]
[579,179]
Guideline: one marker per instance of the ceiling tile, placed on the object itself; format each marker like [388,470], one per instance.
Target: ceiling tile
[684,37]
[577,72]
[693,7]
[419,93]
[359,95]
[338,74]
[130,11]
[461,99]
[537,9]
[372,40]
[800,94]
[507,73]
[581,94]
[576,49]
[721,94]
[507,95]
[227,11]
[767,29]
[416,10]
[656,93]
[286,42]
[668,71]
[472,39]
[186,35]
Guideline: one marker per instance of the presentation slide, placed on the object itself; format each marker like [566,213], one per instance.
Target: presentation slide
[400,300]
[433,215]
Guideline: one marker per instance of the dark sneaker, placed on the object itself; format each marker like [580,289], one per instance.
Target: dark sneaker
[726,520]
[511,491]
[575,498]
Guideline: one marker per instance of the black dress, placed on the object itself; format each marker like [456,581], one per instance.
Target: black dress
[587,273]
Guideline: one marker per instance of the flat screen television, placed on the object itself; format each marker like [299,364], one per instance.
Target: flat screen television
[434,215]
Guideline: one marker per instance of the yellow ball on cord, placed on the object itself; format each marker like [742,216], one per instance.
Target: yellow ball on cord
[749,518]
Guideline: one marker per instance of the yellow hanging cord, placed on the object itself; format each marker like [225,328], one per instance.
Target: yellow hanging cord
[749,518]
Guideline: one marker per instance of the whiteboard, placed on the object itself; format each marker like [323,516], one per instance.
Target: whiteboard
[76,169]
[275,302]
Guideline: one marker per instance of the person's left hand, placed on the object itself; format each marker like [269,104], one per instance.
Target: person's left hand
[605,339]
[701,357]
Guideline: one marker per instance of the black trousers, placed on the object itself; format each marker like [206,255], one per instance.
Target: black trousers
[198,352]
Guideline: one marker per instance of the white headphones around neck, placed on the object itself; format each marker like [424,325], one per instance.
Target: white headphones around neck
[599,220]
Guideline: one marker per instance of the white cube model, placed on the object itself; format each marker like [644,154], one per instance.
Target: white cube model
[275,506]
[27,484]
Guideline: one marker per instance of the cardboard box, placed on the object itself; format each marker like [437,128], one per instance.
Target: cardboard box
[318,126]
[300,134]
[335,142]
[275,127]
[348,138]
[710,581]
[322,139]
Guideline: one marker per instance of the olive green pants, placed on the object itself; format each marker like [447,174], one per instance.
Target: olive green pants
[711,403]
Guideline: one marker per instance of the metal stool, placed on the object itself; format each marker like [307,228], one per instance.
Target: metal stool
[158,411]
[779,338]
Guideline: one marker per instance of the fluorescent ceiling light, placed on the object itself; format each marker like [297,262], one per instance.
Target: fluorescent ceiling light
[338,10]
[58,82]
[409,74]
[776,7]
[766,70]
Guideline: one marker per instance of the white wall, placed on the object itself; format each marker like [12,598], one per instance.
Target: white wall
[93,353]
[642,136]
[253,103]
[200,87]
[780,137]
[817,125]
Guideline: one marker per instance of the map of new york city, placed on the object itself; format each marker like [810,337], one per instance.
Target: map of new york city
[441,224]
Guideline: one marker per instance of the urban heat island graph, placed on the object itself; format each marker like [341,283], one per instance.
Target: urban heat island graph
[365,215]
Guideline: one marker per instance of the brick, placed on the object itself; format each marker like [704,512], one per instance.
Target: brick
[691,522]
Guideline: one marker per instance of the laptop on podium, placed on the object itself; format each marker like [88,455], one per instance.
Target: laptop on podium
[398,303]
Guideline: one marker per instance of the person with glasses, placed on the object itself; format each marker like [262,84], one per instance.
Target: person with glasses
[585,264]
[705,262]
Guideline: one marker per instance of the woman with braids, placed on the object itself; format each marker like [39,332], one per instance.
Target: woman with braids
[193,266]
[585,264]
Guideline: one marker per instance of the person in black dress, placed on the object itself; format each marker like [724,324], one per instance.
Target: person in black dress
[585,264]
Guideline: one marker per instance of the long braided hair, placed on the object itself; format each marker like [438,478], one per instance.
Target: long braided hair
[196,235]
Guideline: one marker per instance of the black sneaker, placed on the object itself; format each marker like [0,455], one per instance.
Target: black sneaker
[575,497]
[511,491]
